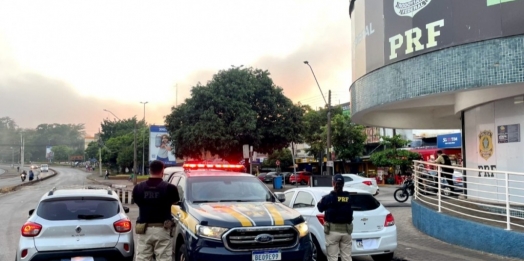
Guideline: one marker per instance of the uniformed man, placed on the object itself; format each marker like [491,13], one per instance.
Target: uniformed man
[154,198]
[338,218]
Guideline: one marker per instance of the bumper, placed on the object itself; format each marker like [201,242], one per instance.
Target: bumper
[101,254]
[201,252]
[386,242]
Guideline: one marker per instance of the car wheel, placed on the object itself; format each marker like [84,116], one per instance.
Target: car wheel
[318,255]
[303,182]
[384,257]
[446,191]
[182,253]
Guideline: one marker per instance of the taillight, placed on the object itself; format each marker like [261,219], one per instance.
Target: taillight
[367,182]
[321,218]
[31,229]
[122,225]
[390,220]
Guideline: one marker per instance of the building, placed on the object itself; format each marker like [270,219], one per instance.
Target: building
[444,65]
[87,140]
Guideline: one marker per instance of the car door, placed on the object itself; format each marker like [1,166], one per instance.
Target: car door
[175,209]
[290,194]
[304,203]
[349,182]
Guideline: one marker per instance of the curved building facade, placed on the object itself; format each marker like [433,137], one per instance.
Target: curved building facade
[443,64]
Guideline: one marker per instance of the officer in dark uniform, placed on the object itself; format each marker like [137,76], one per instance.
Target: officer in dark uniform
[154,198]
[338,218]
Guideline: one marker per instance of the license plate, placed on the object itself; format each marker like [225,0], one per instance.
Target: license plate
[80,258]
[367,244]
[266,255]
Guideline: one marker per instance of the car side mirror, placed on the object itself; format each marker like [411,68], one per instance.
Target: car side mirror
[31,212]
[126,209]
[280,196]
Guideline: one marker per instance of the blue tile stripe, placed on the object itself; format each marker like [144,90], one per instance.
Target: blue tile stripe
[493,62]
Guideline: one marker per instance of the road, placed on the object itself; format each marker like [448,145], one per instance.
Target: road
[412,244]
[12,179]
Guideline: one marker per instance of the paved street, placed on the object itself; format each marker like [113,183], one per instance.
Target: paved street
[413,245]
[11,178]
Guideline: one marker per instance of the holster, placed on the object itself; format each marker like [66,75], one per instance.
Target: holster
[327,228]
[140,228]
[169,225]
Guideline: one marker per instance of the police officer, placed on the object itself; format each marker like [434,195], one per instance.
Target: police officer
[338,218]
[154,198]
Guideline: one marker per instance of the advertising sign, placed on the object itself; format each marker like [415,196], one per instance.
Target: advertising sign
[385,32]
[49,153]
[447,141]
[159,146]
[509,133]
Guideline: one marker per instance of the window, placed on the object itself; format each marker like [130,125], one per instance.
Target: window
[181,187]
[237,189]
[304,200]
[174,180]
[363,202]
[78,208]
[289,196]
[347,179]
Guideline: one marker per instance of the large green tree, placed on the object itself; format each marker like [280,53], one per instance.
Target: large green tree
[347,137]
[394,155]
[315,128]
[238,106]
[283,155]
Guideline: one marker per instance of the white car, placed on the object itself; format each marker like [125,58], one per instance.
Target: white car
[359,182]
[374,230]
[44,168]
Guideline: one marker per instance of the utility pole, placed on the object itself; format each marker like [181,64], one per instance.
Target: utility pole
[143,142]
[329,168]
[135,169]
[99,153]
[22,151]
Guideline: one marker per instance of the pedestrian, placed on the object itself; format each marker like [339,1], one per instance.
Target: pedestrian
[154,198]
[446,172]
[338,218]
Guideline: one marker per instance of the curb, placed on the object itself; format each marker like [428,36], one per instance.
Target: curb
[108,184]
[28,183]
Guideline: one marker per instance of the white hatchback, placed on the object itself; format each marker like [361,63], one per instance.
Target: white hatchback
[374,230]
[359,182]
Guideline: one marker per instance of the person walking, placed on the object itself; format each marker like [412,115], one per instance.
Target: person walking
[338,218]
[446,172]
[154,198]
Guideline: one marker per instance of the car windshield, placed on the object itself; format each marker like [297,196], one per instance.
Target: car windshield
[227,189]
[80,208]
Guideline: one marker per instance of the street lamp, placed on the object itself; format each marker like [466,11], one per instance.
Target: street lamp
[113,114]
[12,157]
[143,142]
[328,120]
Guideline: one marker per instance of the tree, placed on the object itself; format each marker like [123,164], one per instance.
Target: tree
[314,130]
[347,138]
[393,155]
[238,106]
[61,153]
[283,155]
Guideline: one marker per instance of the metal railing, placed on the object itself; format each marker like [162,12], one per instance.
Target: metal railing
[486,195]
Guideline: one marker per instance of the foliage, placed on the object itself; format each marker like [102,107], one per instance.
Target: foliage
[314,128]
[393,155]
[62,152]
[285,157]
[238,106]
[347,138]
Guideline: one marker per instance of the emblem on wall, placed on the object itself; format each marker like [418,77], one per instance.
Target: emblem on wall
[409,7]
[486,144]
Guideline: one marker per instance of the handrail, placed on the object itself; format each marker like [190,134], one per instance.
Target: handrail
[490,197]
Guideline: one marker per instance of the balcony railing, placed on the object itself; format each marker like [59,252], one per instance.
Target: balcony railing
[490,196]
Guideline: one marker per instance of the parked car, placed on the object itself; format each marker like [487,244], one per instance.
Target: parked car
[87,222]
[374,230]
[44,168]
[268,178]
[301,177]
[359,182]
[262,176]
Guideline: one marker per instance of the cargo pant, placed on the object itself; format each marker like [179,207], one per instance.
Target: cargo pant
[155,241]
[338,242]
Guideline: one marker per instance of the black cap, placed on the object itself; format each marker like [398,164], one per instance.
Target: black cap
[338,178]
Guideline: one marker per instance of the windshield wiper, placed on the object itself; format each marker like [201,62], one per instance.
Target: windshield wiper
[90,216]
[239,200]
[203,201]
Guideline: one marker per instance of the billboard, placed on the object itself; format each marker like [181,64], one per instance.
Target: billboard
[159,146]
[447,141]
[49,154]
[385,32]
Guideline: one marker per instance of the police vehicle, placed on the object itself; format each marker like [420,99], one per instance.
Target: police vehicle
[225,214]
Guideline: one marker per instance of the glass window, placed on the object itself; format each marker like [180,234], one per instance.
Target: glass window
[174,180]
[223,189]
[182,187]
[347,179]
[78,208]
[304,200]
[289,197]
[363,202]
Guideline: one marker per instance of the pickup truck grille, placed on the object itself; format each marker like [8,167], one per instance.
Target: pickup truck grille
[244,239]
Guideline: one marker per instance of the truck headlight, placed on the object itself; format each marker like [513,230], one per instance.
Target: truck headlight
[210,232]
[303,229]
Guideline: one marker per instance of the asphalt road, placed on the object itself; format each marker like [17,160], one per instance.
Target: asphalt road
[412,244]
[12,179]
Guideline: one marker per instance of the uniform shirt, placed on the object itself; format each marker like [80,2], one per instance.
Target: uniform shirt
[337,207]
[440,160]
[154,198]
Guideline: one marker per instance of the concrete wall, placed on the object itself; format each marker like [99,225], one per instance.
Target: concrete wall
[466,233]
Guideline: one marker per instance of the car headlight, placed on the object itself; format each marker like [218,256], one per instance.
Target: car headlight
[303,229]
[210,232]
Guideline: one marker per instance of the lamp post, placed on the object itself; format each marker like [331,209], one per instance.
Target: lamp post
[328,139]
[12,157]
[113,114]
[143,142]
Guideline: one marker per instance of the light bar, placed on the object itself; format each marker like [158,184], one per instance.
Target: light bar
[194,166]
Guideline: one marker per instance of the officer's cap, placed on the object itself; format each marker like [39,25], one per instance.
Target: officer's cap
[338,178]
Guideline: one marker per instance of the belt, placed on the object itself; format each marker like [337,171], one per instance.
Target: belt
[337,226]
[155,224]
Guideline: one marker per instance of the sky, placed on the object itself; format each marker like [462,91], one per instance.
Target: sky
[68,61]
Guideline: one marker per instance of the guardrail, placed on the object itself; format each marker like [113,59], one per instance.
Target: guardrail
[493,196]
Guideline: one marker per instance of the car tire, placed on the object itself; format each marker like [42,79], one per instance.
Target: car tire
[318,250]
[447,191]
[303,182]
[181,254]
[384,257]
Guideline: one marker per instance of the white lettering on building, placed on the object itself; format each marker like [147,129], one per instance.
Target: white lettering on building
[412,37]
